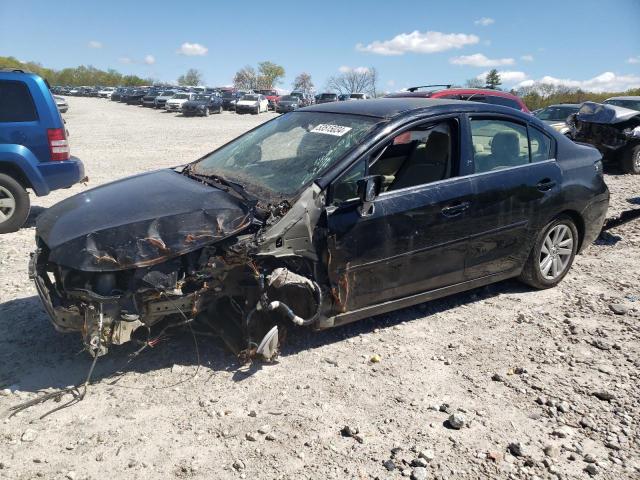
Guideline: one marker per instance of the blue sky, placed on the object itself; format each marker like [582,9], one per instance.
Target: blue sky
[587,43]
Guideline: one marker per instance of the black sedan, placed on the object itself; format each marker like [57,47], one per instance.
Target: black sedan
[320,217]
[202,105]
[288,103]
[136,96]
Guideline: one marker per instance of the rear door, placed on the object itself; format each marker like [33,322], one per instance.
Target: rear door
[414,238]
[515,183]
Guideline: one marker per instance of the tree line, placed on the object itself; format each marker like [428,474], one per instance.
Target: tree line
[76,76]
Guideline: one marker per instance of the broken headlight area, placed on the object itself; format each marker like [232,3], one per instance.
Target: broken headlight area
[220,287]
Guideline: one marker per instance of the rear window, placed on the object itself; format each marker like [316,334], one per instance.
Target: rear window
[16,103]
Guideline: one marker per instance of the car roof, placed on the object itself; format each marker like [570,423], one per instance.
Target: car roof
[628,97]
[573,105]
[394,106]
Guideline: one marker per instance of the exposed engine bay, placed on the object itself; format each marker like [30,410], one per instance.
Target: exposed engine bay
[215,262]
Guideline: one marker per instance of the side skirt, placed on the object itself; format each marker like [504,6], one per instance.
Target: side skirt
[386,307]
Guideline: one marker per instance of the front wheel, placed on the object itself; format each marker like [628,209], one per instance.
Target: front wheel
[14,204]
[552,255]
[631,160]
[206,111]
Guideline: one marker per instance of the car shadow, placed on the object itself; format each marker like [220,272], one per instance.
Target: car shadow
[34,213]
[35,358]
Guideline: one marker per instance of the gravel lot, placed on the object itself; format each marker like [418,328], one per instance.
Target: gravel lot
[543,384]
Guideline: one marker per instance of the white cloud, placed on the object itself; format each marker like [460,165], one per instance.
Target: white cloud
[633,59]
[605,82]
[391,83]
[507,76]
[479,60]
[125,60]
[419,42]
[527,58]
[192,49]
[485,21]
[149,59]
[94,44]
[347,69]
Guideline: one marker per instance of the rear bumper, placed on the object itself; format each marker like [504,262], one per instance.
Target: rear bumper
[56,175]
[594,216]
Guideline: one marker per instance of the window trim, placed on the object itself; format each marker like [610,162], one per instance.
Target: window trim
[31,99]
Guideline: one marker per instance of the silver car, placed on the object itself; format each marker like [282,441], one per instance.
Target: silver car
[556,116]
[61,103]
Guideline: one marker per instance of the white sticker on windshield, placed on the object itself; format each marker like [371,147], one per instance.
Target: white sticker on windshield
[335,130]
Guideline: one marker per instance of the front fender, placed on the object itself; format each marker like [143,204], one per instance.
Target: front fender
[22,159]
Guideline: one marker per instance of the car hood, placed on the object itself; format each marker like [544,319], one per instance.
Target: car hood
[195,103]
[177,100]
[139,221]
[591,112]
[248,103]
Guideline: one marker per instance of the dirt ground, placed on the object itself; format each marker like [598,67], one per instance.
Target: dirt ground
[544,384]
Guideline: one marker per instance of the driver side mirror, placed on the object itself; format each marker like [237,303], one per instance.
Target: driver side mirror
[368,189]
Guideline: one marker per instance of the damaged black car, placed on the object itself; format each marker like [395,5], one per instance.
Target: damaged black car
[612,129]
[326,215]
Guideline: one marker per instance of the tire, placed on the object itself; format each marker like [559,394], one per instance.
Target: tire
[533,273]
[206,111]
[14,204]
[220,109]
[631,160]
[257,112]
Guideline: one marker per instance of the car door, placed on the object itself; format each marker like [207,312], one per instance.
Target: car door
[413,239]
[515,183]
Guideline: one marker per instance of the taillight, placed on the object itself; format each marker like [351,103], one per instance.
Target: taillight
[58,144]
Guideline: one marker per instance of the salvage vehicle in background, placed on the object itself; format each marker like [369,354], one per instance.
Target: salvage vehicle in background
[174,104]
[229,99]
[202,105]
[135,97]
[117,94]
[252,103]
[327,98]
[305,98]
[272,97]
[358,96]
[34,150]
[317,218]
[556,116]
[149,100]
[288,103]
[61,103]
[106,92]
[631,102]
[613,130]
[161,100]
[484,95]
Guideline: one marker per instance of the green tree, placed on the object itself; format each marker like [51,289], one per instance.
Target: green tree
[493,79]
[269,74]
[192,77]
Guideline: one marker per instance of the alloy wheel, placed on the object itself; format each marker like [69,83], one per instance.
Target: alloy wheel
[556,252]
[7,204]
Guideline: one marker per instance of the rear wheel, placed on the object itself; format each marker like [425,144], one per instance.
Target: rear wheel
[552,255]
[14,204]
[631,160]
[206,111]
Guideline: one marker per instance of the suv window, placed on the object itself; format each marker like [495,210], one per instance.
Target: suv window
[16,103]
[506,102]
[498,144]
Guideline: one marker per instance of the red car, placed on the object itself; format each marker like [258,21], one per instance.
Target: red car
[272,96]
[486,95]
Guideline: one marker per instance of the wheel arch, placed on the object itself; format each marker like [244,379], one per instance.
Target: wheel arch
[580,225]
[13,171]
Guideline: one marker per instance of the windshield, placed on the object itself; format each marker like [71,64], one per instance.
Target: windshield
[326,96]
[556,114]
[288,98]
[181,95]
[228,95]
[632,104]
[285,154]
[251,98]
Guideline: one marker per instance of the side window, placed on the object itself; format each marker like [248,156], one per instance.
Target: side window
[418,156]
[540,145]
[498,144]
[346,187]
[16,104]
[506,102]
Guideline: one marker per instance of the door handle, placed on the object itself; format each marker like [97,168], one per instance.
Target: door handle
[545,185]
[455,209]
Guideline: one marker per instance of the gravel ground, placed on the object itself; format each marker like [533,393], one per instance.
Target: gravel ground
[499,382]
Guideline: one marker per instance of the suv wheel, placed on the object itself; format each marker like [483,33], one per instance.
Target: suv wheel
[14,204]
[552,255]
[631,160]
